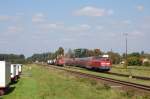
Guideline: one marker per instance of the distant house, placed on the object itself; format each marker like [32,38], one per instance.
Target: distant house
[36,61]
[145,60]
[122,62]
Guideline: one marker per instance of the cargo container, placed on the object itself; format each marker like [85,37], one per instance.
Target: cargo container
[20,68]
[4,76]
[17,71]
[13,72]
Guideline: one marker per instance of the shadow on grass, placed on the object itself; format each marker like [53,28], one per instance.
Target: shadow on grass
[10,90]
[14,82]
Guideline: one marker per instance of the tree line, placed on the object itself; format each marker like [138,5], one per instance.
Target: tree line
[134,58]
[43,57]
[13,58]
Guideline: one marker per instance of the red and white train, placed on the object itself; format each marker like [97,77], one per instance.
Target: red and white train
[102,63]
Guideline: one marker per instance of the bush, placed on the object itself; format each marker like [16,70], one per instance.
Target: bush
[134,61]
[146,63]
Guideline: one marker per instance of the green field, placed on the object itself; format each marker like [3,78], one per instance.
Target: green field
[134,70]
[38,82]
[123,71]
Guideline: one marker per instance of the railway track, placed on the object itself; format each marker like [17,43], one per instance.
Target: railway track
[131,68]
[125,75]
[139,88]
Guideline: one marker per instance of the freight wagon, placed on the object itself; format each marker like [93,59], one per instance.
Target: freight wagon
[4,76]
[50,62]
[20,68]
[17,71]
[13,72]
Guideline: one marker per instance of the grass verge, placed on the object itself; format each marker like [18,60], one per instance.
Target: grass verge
[38,82]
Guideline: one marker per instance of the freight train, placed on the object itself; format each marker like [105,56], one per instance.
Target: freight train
[9,73]
[101,63]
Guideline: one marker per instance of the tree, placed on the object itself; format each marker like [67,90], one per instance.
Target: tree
[97,52]
[133,60]
[134,54]
[13,58]
[81,52]
[69,54]
[60,51]
[115,57]
[43,57]
[142,52]
[90,53]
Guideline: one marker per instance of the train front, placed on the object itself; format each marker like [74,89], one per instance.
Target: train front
[102,63]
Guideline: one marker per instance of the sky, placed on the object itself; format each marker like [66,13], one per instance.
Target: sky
[36,26]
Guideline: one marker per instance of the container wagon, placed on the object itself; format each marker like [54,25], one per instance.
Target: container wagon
[17,71]
[13,73]
[20,68]
[4,76]
[50,62]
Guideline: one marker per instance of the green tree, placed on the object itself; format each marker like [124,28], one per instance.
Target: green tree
[81,52]
[90,53]
[97,52]
[60,51]
[70,53]
[13,58]
[133,60]
[115,57]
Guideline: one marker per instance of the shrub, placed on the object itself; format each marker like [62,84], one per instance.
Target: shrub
[134,61]
[146,63]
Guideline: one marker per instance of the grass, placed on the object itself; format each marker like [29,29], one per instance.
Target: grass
[144,82]
[134,70]
[38,82]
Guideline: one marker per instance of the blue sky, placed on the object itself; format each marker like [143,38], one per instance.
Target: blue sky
[34,26]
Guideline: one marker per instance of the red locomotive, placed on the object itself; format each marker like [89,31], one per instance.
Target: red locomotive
[98,63]
[60,62]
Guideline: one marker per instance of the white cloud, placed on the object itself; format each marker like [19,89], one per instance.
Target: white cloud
[145,23]
[67,39]
[3,18]
[140,8]
[50,26]
[10,17]
[20,14]
[6,18]
[39,17]
[127,22]
[93,11]
[110,12]
[136,34]
[85,26]
[99,27]
[63,28]
[78,29]
[14,29]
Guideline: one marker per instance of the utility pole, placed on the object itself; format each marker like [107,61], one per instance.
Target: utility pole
[126,55]
[126,49]
[126,35]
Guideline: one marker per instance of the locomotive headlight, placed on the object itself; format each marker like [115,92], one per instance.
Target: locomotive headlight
[103,64]
[108,63]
